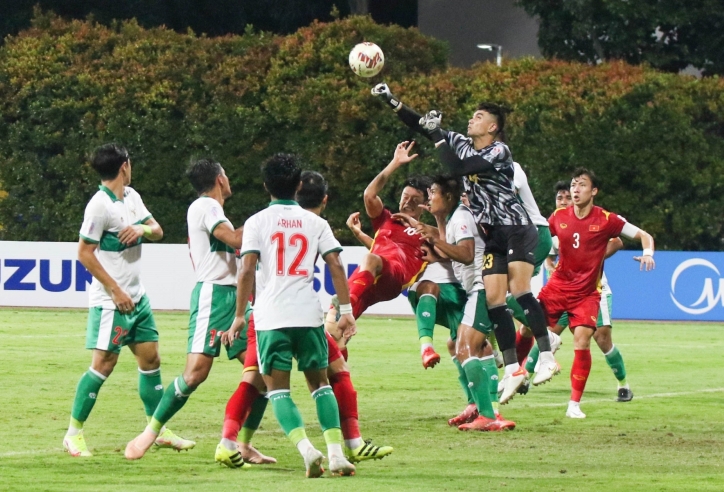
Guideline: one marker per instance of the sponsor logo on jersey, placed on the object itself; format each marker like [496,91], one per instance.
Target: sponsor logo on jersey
[594,228]
[593,318]
[707,299]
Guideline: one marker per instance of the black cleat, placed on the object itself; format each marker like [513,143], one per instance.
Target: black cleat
[624,394]
[523,389]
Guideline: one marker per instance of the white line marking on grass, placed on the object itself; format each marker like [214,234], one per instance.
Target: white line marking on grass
[639,397]
[45,336]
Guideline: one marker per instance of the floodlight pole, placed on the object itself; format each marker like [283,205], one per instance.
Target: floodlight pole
[498,51]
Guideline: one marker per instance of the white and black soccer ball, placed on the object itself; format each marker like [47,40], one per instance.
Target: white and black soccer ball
[366,59]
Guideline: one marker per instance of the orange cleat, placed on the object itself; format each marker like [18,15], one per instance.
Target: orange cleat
[430,358]
[468,415]
[484,424]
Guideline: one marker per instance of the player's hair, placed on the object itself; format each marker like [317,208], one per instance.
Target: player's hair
[281,174]
[449,185]
[420,183]
[499,112]
[313,190]
[108,159]
[582,171]
[203,174]
[562,186]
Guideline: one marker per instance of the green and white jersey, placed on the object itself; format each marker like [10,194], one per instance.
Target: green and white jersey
[520,181]
[214,261]
[288,240]
[106,216]
[461,226]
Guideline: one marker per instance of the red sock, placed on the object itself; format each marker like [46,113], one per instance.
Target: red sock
[359,282]
[522,346]
[579,373]
[237,410]
[347,402]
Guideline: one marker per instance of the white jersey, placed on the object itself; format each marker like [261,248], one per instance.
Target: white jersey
[105,216]
[461,226]
[214,261]
[520,180]
[288,240]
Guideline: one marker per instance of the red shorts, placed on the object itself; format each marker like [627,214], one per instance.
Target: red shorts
[251,360]
[581,311]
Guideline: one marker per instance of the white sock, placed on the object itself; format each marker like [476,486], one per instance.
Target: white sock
[335,450]
[573,404]
[624,386]
[73,431]
[353,443]
[511,368]
[228,444]
[424,346]
[547,356]
[304,445]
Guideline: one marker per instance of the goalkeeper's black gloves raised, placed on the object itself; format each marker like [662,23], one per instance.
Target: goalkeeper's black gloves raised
[430,124]
[383,92]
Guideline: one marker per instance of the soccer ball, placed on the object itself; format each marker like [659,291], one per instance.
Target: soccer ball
[366,59]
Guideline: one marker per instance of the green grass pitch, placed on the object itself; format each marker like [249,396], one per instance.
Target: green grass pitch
[670,437]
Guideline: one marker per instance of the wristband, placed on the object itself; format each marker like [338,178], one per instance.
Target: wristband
[146,230]
[345,309]
[648,252]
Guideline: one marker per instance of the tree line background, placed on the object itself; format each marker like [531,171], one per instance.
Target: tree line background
[656,139]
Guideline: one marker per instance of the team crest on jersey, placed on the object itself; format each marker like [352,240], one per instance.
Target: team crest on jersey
[464,228]
[563,226]
[594,228]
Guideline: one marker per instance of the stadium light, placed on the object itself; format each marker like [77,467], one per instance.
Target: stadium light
[498,51]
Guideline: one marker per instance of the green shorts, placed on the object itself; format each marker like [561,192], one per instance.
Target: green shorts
[449,308]
[476,313]
[604,313]
[213,308]
[545,243]
[276,348]
[109,329]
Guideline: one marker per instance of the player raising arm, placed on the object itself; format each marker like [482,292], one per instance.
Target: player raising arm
[583,232]
[283,241]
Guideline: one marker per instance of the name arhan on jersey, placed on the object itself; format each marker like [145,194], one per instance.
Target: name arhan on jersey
[290,223]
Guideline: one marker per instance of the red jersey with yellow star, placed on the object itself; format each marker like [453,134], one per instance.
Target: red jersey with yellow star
[581,250]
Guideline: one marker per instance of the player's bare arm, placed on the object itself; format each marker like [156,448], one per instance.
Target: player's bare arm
[347,327]
[87,256]
[462,252]
[373,203]
[244,289]
[150,230]
[612,247]
[355,226]
[231,237]
[646,260]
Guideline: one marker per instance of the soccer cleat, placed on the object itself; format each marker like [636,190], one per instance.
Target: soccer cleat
[574,411]
[76,446]
[506,424]
[313,462]
[511,383]
[498,359]
[167,439]
[138,446]
[468,415]
[547,368]
[253,456]
[365,452]
[525,387]
[624,394]
[484,424]
[430,358]
[230,458]
[338,465]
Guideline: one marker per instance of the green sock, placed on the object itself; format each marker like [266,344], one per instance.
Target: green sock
[173,400]
[491,371]
[479,385]
[493,341]
[532,359]
[463,379]
[425,315]
[518,312]
[327,409]
[251,424]
[287,413]
[85,396]
[614,359]
[150,389]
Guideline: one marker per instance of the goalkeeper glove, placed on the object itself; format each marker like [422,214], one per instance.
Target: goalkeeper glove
[383,92]
[430,124]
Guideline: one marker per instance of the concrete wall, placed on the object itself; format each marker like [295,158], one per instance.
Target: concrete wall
[466,23]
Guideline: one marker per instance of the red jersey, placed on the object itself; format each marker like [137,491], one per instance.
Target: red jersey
[581,250]
[392,237]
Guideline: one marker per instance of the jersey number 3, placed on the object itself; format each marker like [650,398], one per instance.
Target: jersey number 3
[576,240]
[294,240]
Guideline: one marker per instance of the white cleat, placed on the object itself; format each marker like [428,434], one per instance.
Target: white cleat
[574,411]
[338,465]
[555,340]
[547,367]
[511,383]
[313,462]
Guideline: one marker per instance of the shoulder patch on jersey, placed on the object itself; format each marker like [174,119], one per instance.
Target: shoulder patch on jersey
[606,213]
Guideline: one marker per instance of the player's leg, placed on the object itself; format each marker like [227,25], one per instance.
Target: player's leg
[363,279]
[470,412]
[423,298]
[524,340]
[491,370]
[580,369]
[613,356]
[105,332]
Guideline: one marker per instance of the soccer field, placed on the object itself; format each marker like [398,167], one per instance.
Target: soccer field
[670,437]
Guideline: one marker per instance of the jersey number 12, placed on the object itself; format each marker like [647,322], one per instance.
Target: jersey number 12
[294,240]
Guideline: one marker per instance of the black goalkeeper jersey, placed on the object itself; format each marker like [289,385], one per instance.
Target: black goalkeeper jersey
[491,193]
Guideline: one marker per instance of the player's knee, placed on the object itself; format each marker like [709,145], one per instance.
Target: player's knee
[195,377]
[427,287]
[372,263]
